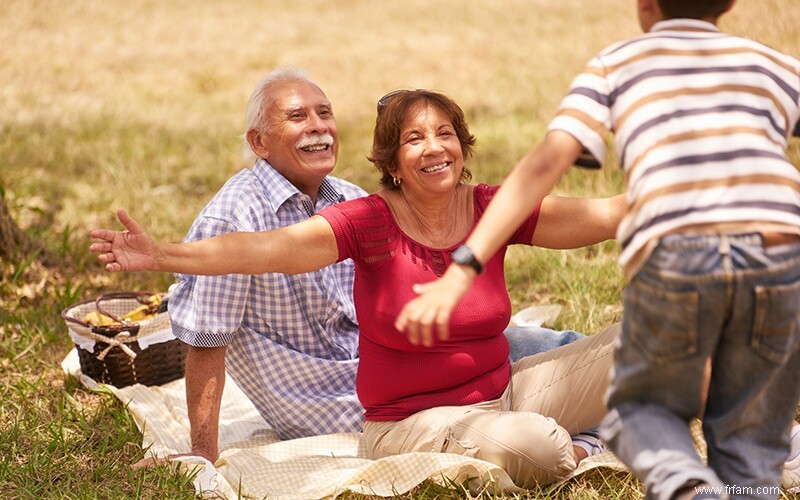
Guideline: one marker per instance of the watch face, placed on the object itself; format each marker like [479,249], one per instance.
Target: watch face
[463,255]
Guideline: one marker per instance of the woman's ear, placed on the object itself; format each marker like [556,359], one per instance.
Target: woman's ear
[256,144]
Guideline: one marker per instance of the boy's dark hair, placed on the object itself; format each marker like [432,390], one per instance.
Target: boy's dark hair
[693,9]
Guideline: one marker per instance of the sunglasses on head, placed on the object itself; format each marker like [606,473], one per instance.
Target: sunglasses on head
[383,101]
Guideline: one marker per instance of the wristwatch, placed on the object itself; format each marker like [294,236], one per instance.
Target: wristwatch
[463,256]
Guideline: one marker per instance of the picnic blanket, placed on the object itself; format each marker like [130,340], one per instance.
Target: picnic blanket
[254,462]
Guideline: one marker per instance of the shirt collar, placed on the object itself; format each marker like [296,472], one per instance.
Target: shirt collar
[684,25]
[281,190]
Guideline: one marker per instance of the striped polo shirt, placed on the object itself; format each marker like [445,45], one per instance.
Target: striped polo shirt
[701,121]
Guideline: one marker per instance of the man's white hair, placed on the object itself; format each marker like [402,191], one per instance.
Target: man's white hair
[260,101]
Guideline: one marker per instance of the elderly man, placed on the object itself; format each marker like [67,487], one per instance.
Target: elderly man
[291,341]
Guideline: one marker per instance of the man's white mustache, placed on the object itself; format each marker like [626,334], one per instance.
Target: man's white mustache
[325,139]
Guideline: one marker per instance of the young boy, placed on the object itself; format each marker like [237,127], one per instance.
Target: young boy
[710,244]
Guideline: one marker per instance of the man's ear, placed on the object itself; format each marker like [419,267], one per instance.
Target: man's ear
[256,144]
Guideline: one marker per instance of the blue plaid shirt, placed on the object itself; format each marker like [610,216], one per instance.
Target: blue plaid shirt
[292,339]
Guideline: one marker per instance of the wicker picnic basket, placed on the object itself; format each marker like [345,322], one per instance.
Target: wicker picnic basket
[128,352]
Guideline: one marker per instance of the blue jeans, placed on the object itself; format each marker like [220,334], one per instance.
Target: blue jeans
[729,299]
[526,341]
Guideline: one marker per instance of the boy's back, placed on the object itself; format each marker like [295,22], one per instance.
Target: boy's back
[701,121]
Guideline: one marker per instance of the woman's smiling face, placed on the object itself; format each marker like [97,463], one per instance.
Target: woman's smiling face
[430,158]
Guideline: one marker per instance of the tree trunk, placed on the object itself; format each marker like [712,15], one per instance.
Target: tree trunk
[13,241]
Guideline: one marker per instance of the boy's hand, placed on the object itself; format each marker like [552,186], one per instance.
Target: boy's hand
[430,312]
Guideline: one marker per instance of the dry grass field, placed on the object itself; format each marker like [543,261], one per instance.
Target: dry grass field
[105,103]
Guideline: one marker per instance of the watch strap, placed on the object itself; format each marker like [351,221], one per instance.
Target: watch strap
[464,256]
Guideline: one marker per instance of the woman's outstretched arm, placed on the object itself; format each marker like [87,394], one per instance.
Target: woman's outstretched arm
[299,248]
[566,222]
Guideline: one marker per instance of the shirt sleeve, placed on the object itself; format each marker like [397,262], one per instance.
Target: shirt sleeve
[524,234]
[340,218]
[585,114]
[206,311]
[363,229]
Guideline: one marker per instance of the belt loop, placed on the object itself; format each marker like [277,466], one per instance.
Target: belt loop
[724,244]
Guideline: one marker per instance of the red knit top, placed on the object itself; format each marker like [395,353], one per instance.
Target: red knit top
[395,378]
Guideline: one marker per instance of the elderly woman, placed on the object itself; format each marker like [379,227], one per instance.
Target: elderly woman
[458,394]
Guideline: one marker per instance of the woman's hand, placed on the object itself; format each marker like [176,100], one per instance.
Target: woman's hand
[430,312]
[131,250]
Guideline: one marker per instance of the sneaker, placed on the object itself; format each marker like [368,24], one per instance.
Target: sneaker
[590,442]
[790,479]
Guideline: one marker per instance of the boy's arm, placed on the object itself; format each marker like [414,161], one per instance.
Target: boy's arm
[522,191]
[532,178]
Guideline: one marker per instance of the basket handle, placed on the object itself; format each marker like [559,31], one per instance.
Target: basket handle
[120,295]
[108,296]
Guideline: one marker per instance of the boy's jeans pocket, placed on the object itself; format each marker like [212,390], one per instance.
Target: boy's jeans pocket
[775,329]
[663,323]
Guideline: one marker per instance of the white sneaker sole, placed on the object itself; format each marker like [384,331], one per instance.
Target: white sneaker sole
[790,479]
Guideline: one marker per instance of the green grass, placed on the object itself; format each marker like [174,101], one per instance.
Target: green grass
[113,104]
